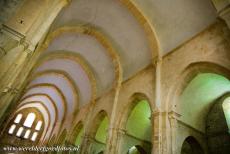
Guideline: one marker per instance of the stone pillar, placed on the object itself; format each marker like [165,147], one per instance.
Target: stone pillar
[111,145]
[117,134]
[156,136]
[9,78]
[158,116]
[87,138]
[17,45]
[173,116]
[86,144]
[161,133]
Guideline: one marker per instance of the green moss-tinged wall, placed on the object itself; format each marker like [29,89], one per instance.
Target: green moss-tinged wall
[218,138]
[226,108]
[102,130]
[97,147]
[139,123]
[198,97]
[79,137]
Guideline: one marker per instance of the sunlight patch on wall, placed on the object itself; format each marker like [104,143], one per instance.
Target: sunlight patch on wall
[198,97]
[79,137]
[139,123]
[102,130]
[226,108]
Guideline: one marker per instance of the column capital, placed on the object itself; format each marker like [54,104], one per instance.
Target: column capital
[12,33]
[173,115]
[10,38]
[67,1]
[157,59]
[88,137]
[158,112]
[118,130]
[9,89]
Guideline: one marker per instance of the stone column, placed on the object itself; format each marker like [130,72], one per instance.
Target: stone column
[111,145]
[10,69]
[173,116]
[86,144]
[117,134]
[158,116]
[161,133]
[156,136]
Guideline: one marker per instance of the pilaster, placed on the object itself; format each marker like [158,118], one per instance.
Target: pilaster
[117,134]
[86,144]
[173,116]
[157,132]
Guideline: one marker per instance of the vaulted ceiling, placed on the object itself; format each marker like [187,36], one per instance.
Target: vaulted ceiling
[93,45]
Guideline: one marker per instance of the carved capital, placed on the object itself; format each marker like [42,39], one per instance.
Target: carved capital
[9,89]
[12,33]
[88,137]
[9,39]
[118,130]
[157,113]
[174,115]
[157,60]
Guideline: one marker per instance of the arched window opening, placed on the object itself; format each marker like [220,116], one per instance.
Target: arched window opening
[19,133]
[27,134]
[191,146]
[18,118]
[38,126]
[12,128]
[198,97]
[201,109]
[100,130]
[136,150]
[79,137]
[101,133]
[138,128]
[34,136]
[29,120]
[139,123]
[217,126]
[27,125]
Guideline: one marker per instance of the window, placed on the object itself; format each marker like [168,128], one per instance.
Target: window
[28,128]
[35,134]
[18,118]
[39,125]
[19,132]
[29,120]
[26,136]
[12,128]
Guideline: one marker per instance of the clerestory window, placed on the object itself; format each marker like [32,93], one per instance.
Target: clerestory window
[25,128]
